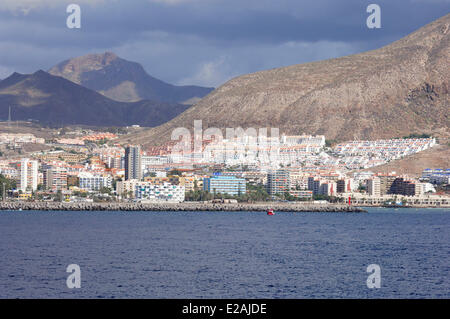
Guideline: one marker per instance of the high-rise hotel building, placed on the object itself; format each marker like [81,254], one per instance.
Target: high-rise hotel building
[28,177]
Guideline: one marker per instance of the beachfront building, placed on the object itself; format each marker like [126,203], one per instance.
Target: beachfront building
[165,192]
[128,188]
[425,200]
[404,187]
[28,175]
[94,182]
[301,194]
[230,185]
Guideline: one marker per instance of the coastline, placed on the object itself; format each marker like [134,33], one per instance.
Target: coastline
[184,206]
[405,207]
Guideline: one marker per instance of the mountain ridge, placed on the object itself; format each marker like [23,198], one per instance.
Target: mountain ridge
[389,92]
[53,100]
[123,80]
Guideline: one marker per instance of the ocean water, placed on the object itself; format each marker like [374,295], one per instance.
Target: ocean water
[225,254]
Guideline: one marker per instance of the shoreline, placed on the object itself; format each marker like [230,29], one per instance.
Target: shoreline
[185,206]
[404,207]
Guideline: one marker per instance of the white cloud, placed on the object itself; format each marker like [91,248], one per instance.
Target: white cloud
[211,73]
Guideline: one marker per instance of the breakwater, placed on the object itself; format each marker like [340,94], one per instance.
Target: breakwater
[185,206]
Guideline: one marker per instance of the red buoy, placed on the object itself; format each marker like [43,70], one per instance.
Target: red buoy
[270,212]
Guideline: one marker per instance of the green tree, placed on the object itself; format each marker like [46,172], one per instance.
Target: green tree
[330,143]
[59,196]
[105,190]
[9,185]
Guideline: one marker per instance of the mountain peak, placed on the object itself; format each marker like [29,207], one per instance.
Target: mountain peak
[41,73]
[14,76]
[103,58]
[123,80]
[71,68]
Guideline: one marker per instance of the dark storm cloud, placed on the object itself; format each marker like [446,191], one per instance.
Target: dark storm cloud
[207,41]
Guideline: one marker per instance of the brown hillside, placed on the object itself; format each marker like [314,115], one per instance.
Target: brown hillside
[393,91]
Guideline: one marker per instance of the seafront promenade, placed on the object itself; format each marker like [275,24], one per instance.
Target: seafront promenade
[185,206]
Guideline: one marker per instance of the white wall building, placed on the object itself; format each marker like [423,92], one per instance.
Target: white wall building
[165,192]
[92,182]
[28,175]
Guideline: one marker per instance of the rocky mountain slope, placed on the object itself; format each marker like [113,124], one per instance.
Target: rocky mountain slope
[389,92]
[124,81]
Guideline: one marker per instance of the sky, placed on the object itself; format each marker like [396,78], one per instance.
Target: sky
[202,42]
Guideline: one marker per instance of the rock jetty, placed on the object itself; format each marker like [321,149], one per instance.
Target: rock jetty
[185,206]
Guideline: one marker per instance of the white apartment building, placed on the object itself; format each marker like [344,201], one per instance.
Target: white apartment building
[125,188]
[93,182]
[365,154]
[153,160]
[28,175]
[165,192]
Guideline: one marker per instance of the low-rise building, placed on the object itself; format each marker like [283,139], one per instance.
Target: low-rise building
[301,193]
[164,192]
[93,182]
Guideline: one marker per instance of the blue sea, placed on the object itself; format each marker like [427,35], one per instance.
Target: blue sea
[225,254]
